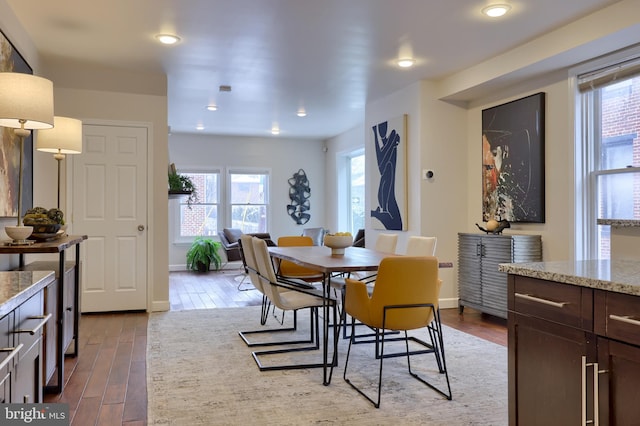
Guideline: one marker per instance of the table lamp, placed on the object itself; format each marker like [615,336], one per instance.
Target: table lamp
[64,138]
[26,104]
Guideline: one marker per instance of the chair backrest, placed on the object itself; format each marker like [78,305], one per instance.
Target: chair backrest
[358,240]
[406,280]
[316,234]
[421,246]
[386,243]
[295,241]
[246,245]
[267,274]
[293,270]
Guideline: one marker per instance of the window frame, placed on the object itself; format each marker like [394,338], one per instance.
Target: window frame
[587,153]
[229,205]
[177,237]
[349,176]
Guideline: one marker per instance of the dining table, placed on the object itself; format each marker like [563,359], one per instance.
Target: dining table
[321,259]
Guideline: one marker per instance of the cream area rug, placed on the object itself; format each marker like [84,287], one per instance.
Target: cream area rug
[200,372]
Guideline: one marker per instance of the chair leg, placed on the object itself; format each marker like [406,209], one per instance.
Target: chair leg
[244,277]
[437,347]
[314,338]
[294,327]
[346,364]
[436,328]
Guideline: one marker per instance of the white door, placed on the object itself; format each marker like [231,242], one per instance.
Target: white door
[110,207]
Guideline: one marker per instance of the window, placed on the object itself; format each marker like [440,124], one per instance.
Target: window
[249,200]
[356,179]
[609,151]
[202,217]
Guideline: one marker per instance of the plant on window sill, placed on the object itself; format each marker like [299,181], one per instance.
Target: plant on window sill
[203,253]
[182,185]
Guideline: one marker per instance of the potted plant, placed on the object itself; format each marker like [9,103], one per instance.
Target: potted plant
[181,185]
[202,253]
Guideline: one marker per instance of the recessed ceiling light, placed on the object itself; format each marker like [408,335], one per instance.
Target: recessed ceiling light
[168,38]
[301,112]
[212,107]
[406,62]
[496,10]
[200,127]
[275,131]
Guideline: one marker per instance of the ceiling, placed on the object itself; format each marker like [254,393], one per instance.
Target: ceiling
[330,57]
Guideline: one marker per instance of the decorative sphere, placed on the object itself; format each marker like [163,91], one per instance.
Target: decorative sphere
[492,225]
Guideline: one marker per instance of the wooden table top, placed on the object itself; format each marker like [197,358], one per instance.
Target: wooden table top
[319,258]
[53,246]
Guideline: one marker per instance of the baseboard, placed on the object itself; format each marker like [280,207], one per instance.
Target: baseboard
[177,268]
[449,303]
[160,306]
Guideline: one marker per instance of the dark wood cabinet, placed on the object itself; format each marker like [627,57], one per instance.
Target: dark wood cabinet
[571,358]
[28,331]
[6,357]
[21,332]
[51,305]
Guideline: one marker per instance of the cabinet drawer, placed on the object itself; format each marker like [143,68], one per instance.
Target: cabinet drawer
[6,342]
[617,316]
[561,303]
[28,318]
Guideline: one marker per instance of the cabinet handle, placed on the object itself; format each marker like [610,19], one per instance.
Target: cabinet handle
[33,331]
[596,413]
[14,352]
[539,300]
[625,318]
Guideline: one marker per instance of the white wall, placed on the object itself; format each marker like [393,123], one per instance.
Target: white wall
[14,32]
[281,156]
[336,195]
[557,231]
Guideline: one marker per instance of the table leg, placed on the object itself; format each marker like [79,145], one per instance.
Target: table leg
[76,304]
[326,378]
[336,331]
[57,388]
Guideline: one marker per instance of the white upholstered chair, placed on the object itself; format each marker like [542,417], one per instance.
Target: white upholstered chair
[421,246]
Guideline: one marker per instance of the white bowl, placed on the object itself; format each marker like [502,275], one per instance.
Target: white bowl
[338,243]
[18,233]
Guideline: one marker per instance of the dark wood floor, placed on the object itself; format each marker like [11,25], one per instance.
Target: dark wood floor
[106,384]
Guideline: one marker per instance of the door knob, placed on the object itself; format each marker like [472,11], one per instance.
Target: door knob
[140,227]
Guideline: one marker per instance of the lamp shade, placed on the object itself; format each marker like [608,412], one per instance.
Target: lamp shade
[27,98]
[64,138]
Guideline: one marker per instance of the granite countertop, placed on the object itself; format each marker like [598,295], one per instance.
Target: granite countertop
[16,287]
[620,276]
[620,223]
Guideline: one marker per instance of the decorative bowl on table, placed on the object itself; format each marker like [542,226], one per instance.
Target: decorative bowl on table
[338,242]
[46,228]
[47,223]
[18,233]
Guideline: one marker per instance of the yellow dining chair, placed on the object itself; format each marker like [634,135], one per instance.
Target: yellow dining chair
[404,298]
[288,298]
[287,269]
[385,243]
